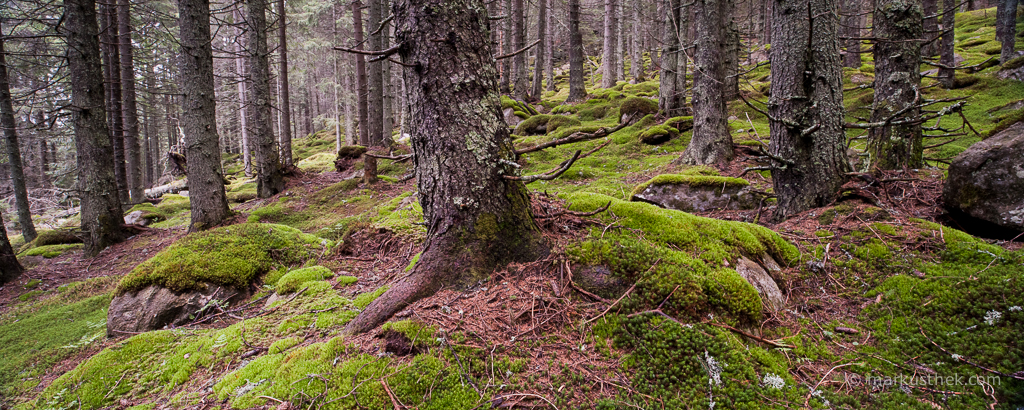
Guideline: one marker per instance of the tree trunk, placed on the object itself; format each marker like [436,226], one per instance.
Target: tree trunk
[806,89]
[362,89]
[375,98]
[711,142]
[506,48]
[671,97]
[610,58]
[209,203]
[10,268]
[102,220]
[577,89]
[731,57]
[521,84]
[286,111]
[636,66]
[269,179]
[1006,28]
[477,219]
[897,145]
[851,21]
[28,229]
[538,64]
[112,70]
[129,106]
[243,111]
[947,54]
[549,46]
[620,45]
[930,8]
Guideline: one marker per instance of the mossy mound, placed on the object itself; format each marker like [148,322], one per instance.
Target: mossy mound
[680,123]
[51,237]
[1014,63]
[232,256]
[52,251]
[637,107]
[522,109]
[293,281]
[351,152]
[545,124]
[149,212]
[320,162]
[658,134]
[678,263]
[694,178]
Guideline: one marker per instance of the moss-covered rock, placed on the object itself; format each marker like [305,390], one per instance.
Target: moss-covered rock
[658,134]
[294,280]
[680,123]
[232,256]
[637,107]
[545,124]
[51,251]
[52,237]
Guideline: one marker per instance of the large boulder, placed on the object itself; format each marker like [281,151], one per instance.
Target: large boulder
[155,307]
[760,278]
[987,180]
[696,193]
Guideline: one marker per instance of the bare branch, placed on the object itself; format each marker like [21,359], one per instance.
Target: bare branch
[517,52]
[550,175]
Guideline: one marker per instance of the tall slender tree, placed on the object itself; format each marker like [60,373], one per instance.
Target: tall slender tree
[577,88]
[243,110]
[542,35]
[208,200]
[897,142]
[129,106]
[361,86]
[478,217]
[28,228]
[851,24]
[269,178]
[112,70]
[1006,28]
[521,84]
[102,220]
[286,111]
[806,106]
[610,57]
[711,142]
[947,56]
[672,91]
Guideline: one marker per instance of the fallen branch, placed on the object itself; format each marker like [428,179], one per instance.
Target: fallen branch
[574,213]
[550,174]
[400,158]
[578,136]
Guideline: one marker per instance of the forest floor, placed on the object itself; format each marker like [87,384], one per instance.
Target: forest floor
[886,298]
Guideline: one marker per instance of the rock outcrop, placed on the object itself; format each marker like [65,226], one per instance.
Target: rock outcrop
[155,307]
[987,180]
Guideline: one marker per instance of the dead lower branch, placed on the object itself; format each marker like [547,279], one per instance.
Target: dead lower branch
[517,52]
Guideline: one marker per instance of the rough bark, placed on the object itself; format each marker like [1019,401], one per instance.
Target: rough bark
[549,46]
[10,268]
[610,58]
[577,89]
[286,111]
[28,229]
[897,145]
[930,8]
[620,38]
[129,106]
[807,92]
[506,47]
[101,207]
[521,84]
[1006,28]
[672,90]
[243,111]
[375,98]
[476,218]
[538,64]
[109,38]
[947,54]
[362,89]
[851,22]
[636,66]
[711,141]
[269,179]
[209,203]
[731,48]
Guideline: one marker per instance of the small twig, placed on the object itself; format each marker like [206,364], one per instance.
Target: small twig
[1017,375]
[574,213]
[612,305]
[807,400]
[394,400]
[750,336]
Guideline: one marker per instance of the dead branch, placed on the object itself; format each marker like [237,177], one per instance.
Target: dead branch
[388,52]
[578,136]
[549,175]
[567,212]
[517,52]
[400,158]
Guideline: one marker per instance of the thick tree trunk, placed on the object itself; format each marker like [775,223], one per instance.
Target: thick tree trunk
[102,221]
[672,92]
[807,91]
[286,111]
[209,203]
[476,218]
[947,54]
[538,64]
[110,38]
[897,145]
[521,84]
[10,268]
[851,22]
[610,58]
[711,142]
[269,179]
[129,106]
[28,229]
[577,89]
[1006,28]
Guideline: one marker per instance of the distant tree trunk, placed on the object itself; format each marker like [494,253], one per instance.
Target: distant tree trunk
[897,24]
[1006,28]
[636,66]
[243,111]
[711,142]
[209,203]
[931,27]
[10,268]
[102,220]
[112,70]
[375,98]
[286,110]
[28,229]
[807,89]
[610,57]
[362,89]
[672,92]
[521,84]
[506,48]
[129,106]
[731,56]
[620,45]
[549,47]
[538,64]
[851,21]
[947,56]
[477,219]
[269,179]
[577,89]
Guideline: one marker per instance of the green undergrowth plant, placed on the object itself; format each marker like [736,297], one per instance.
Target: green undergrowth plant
[232,255]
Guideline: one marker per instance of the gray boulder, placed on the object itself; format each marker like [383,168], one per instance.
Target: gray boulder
[696,193]
[155,307]
[987,180]
[763,281]
[511,118]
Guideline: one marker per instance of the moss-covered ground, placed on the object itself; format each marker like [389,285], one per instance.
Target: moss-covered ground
[882,310]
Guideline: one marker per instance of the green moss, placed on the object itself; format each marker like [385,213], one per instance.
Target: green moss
[828,216]
[149,212]
[1005,122]
[294,280]
[1014,63]
[231,255]
[51,237]
[691,180]
[680,123]
[530,125]
[283,344]
[658,134]
[351,151]
[31,284]
[638,107]
[364,299]
[824,233]
[417,333]
[30,295]
[319,163]
[52,251]
[561,121]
